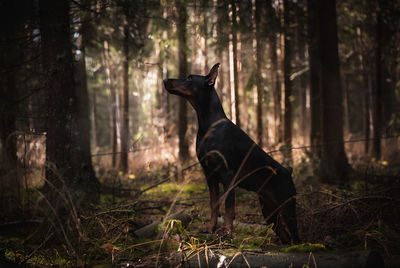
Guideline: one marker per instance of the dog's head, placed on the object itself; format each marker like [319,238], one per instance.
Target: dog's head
[194,88]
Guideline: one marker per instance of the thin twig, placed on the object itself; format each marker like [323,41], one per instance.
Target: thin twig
[350,201]
[36,249]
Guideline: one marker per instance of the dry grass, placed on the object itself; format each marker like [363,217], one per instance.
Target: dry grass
[345,219]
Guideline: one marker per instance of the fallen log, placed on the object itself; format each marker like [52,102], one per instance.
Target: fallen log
[243,225]
[359,259]
[152,229]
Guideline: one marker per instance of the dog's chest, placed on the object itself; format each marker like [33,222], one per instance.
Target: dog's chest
[211,152]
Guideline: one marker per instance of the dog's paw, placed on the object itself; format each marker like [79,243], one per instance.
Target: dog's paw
[224,232]
[207,230]
[204,231]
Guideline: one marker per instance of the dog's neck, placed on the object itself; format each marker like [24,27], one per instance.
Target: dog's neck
[209,112]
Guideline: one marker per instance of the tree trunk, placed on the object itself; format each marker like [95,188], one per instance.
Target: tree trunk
[367,108]
[113,104]
[220,48]
[196,42]
[281,67]
[84,159]
[272,25]
[259,65]
[389,43]
[366,94]
[287,69]
[334,163]
[67,155]
[8,87]
[164,102]
[205,46]
[125,104]
[302,83]
[346,104]
[223,49]
[377,89]
[275,86]
[183,71]
[235,62]
[94,121]
[315,86]
[153,229]
[244,35]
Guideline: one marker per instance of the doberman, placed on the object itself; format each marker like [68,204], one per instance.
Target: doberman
[230,157]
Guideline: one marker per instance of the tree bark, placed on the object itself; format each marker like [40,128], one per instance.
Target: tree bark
[287,69]
[259,65]
[220,47]
[377,89]
[164,96]
[113,103]
[334,163]
[276,87]
[346,104]
[223,25]
[302,83]
[274,77]
[83,115]
[205,46]
[67,159]
[94,121]
[8,86]
[153,228]
[183,72]
[366,95]
[244,33]
[235,62]
[315,87]
[125,104]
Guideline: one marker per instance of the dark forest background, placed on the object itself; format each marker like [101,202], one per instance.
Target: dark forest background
[86,126]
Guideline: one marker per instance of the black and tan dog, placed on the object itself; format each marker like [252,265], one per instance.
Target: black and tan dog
[229,156]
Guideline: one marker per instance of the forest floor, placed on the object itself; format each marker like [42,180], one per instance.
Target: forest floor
[364,215]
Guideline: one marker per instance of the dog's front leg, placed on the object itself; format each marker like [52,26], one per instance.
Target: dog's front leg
[213,187]
[229,209]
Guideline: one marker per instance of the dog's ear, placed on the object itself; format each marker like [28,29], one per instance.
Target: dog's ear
[213,74]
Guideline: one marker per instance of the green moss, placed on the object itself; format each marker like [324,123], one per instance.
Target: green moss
[250,247]
[171,227]
[47,258]
[246,242]
[169,187]
[106,198]
[303,248]
[191,188]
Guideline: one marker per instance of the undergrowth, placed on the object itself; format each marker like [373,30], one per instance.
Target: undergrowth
[351,218]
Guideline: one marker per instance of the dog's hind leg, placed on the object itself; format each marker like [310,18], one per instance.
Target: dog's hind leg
[290,215]
[287,222]
[268,206]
